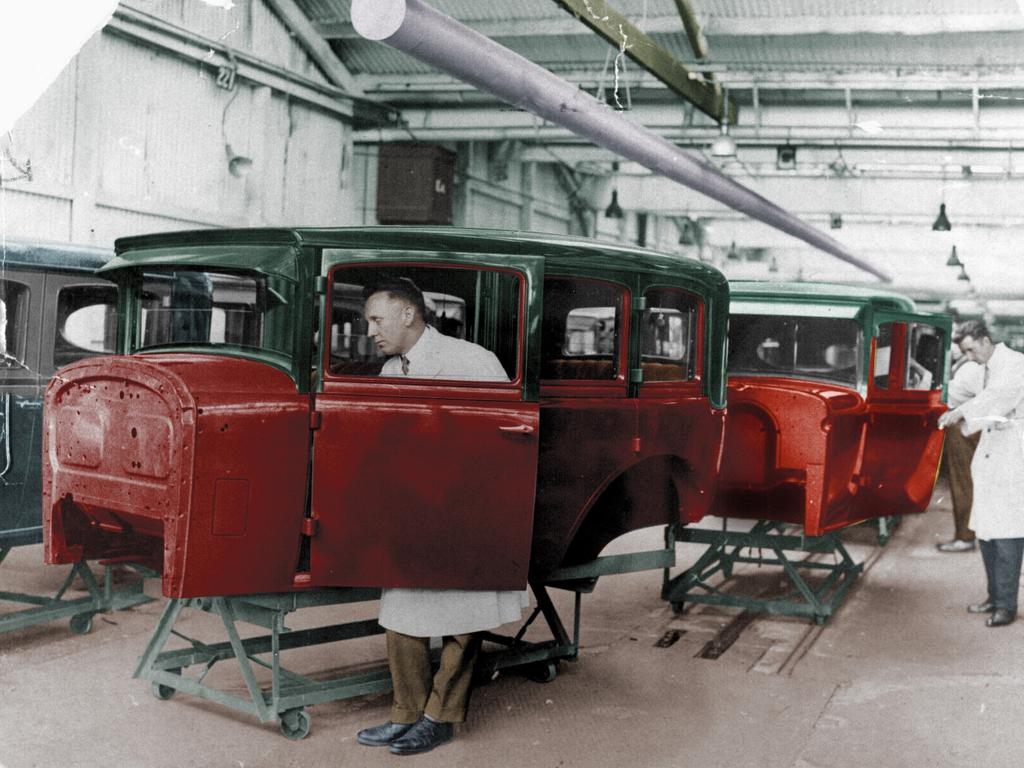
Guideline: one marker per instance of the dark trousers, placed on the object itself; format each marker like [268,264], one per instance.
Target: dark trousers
[443,695]
[957,454]
[1002,558]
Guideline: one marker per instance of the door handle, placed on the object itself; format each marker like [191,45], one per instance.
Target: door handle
[518,429]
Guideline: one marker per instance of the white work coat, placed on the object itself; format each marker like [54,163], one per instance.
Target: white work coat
[997,411]
[439,612]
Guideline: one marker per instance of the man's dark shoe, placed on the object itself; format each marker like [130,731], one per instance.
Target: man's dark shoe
[985,607]
[1000,618]
[423,737]
[956,545]
[382,735]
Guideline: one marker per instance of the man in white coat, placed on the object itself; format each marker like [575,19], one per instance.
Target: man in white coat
[997,468]
[424,706]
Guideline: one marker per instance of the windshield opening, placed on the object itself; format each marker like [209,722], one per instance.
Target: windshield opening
[194,307]
[798,347]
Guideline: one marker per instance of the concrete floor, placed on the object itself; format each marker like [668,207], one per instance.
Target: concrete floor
[901,676]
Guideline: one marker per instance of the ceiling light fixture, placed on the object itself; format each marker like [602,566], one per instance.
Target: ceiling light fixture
[687,231]
[724,145]
[941,223]
[614,210]
[963,274]
[953,260]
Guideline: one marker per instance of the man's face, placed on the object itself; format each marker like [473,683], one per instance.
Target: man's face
[389,320]
[977,350]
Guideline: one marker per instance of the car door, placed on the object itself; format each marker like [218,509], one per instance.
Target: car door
[21,302]
[55,318]
[906,393]
[427,481]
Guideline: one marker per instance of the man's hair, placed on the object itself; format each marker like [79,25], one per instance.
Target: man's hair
[976,329]
[399,288]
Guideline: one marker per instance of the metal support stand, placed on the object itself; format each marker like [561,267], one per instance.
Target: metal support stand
[288,694]
[80,610]
[727,548]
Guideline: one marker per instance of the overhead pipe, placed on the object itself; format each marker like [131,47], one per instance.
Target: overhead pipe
[417,29]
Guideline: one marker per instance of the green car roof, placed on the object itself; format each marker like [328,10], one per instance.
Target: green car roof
[560,250]
[818,293]
[35,254]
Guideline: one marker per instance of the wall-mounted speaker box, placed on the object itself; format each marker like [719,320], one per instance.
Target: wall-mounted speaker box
[414,184]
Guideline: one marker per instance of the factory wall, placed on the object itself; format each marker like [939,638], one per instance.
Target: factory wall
[167,121]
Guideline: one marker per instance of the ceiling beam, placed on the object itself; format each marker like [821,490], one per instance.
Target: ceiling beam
[620,32]
[317,48]
[859,24]
[556,25]
[698,43]
[721,26]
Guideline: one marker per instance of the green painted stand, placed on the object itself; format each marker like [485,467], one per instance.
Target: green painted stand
[288,695]
[289,692]
[728,548]
[80,610]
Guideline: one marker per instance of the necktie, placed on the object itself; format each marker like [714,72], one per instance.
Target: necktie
[405,364]
[984,378]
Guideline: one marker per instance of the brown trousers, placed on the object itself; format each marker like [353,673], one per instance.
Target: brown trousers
[957,455]
[443,695]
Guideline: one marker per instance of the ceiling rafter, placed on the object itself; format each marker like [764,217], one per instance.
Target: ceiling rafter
[317,48]
[638,46]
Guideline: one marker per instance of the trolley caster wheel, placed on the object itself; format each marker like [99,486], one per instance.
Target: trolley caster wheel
[162,692]
[81,623]
[678,608]
[545,672]
[819,620]
[295,724]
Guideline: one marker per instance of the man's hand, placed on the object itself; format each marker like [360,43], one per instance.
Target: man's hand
[949,418]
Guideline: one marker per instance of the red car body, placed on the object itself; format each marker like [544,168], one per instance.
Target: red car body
[242,455]
[841,428]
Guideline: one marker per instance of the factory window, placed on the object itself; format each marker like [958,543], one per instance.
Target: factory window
[669,335]
[86,322]
[581,329]
[481,306]
[13,324]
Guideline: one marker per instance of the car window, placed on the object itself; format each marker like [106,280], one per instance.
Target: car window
[926,357]
[478,307]
[197,307]
[581,329]
[801,347]
[86,322]
[883,356]
[14,298]
[669,335]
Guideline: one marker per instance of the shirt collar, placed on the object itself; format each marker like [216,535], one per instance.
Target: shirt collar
[421,350]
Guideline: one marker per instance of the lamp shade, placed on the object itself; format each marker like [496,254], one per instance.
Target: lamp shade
[614,210]
[724,145]
[953,260]
[942,221]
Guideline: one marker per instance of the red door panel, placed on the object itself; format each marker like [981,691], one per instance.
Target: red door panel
[902,443]
[423,492]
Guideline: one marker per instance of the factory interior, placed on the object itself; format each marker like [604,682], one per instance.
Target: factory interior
[800,152]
